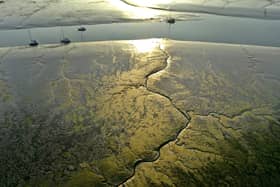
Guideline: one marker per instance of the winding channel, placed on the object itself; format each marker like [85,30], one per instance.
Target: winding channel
[186,116]
[208,28]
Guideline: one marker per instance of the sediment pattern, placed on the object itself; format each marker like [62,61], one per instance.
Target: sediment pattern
[266,9]
[111,113]
[223,145]
[72,119]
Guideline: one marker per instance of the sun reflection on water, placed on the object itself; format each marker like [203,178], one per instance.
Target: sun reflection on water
[145,46]
[149,3]
[134,12]
[153,46]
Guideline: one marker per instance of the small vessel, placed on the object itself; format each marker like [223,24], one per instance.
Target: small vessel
[33,43]
[65,41]
[171,20]
[82,29]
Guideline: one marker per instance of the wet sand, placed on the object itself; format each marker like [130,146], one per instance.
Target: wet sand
[150,112]
[110,113]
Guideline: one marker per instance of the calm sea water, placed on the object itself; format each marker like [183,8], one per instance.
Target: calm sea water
[210,28]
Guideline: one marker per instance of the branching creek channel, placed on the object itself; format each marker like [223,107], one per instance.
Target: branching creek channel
[167,59]
[186,114]
[203,27]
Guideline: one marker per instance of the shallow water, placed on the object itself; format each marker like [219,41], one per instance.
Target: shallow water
[209,28]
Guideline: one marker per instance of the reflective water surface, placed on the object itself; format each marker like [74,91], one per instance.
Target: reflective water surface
[209,28]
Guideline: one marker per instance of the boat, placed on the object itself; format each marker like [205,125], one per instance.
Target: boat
[82,29]
[33,43]
[65,41]
[171,20]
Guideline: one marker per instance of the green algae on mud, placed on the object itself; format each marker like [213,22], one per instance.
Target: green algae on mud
[139,113]
[210,154]
[82,103]
[231,94]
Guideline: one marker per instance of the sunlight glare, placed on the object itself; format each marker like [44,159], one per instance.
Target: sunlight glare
[149,3]
[145,46]
[134,12]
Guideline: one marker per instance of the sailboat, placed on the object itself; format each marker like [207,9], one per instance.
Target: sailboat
[82,29]
[33,43]
[170,20]
[64,40]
